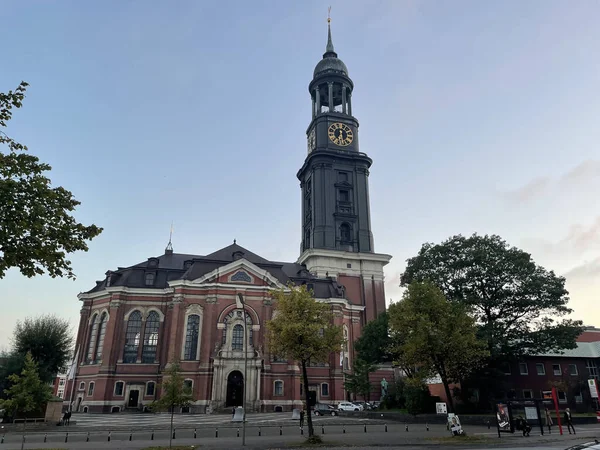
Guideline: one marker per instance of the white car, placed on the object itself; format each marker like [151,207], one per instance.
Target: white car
[347,406]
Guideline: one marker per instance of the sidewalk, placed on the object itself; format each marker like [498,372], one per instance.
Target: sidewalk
[395,438]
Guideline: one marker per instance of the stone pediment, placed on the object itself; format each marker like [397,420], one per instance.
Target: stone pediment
[242,273]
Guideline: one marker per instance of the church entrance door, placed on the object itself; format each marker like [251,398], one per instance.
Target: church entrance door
[235,389]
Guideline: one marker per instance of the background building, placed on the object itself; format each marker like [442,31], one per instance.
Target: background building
[184,306]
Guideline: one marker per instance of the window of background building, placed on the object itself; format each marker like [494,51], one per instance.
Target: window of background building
[91,389]
[527,393]
[61,382]
[278,388]
[191,337]
[237,338]
[523,369]
[150,388]
[119,385]
[592,368]
[556,370]
[60,394]
[189,384]
[324,390]
[82,386]
[540,369]
[506,369]
[562,397]
[573,369]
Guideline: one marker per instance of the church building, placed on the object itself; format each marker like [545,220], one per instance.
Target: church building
[187,307]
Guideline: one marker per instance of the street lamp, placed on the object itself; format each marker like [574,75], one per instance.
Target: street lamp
[245,347]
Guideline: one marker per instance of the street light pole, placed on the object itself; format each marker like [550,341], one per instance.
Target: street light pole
[241,297]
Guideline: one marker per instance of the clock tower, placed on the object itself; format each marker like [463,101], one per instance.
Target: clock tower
[334,179]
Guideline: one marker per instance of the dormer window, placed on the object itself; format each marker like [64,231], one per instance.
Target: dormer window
[187,264]
[149,281]
[108,277]
[237,255]
[152,262]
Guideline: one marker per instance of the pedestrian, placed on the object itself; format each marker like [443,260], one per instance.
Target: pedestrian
[569,421]
[549,422]
[301,418]
[232,412]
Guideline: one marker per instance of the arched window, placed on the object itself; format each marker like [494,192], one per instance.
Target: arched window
[191,337]
[132,337]
[93,337]
[345,233]
[237,337]
[278,388]
[236,316]
[101,333]
[91,388]
[150,338]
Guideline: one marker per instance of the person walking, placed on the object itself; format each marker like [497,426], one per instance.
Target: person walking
[569,421]
[301,418]
[549,422]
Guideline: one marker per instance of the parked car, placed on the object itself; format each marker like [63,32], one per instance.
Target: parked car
[361,405]
[348,406]
[595,445]
[321,409]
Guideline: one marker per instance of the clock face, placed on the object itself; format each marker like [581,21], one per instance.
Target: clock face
[311,140]
[340,134]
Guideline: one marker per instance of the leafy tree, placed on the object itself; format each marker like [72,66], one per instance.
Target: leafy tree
[439,336]
[374,344]
[36,229]
[12,362]
[28,392]
[417,398]
[514,300]
[174,393]
[358,382]
[49,340]
[302,330]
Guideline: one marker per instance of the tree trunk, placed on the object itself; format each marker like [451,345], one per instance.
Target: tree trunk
[448,393]
[171,432]
[311,430]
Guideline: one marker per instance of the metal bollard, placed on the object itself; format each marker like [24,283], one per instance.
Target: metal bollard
[427,426]
[152,436]
[87,438]
[238,432]
[259,431]
[216,432]
[45,437]
[280,431]
[488,424]
[130,435]
[322,429]
[365,428]
[344,429]
[2,440]
[406,427]
[386,427]
[66,437]
[194,433]
[109,435]
[174,433]
[301,431]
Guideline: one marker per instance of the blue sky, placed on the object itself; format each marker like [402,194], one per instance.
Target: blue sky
[479,116]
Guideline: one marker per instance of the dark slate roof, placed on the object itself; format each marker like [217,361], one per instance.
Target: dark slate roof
[181,266]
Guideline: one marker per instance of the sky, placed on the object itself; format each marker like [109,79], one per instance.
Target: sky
[479,117]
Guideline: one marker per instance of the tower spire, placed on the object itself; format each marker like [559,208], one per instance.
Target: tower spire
[169,249]
[329,50]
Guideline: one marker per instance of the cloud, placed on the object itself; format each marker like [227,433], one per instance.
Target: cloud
[585,172]
[587,270]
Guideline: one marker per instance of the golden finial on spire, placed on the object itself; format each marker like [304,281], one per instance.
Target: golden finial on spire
[329,15]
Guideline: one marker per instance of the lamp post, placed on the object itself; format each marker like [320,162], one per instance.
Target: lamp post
[241,297]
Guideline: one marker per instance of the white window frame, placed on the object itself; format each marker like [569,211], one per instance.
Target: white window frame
[564,394]
[576,370]
[275,394]
[82,385]
[193,309]
[91,387]
[530,391]
[521,365]
[543,366]
[61,382]
[554,370]
[122,394]
[321,393]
